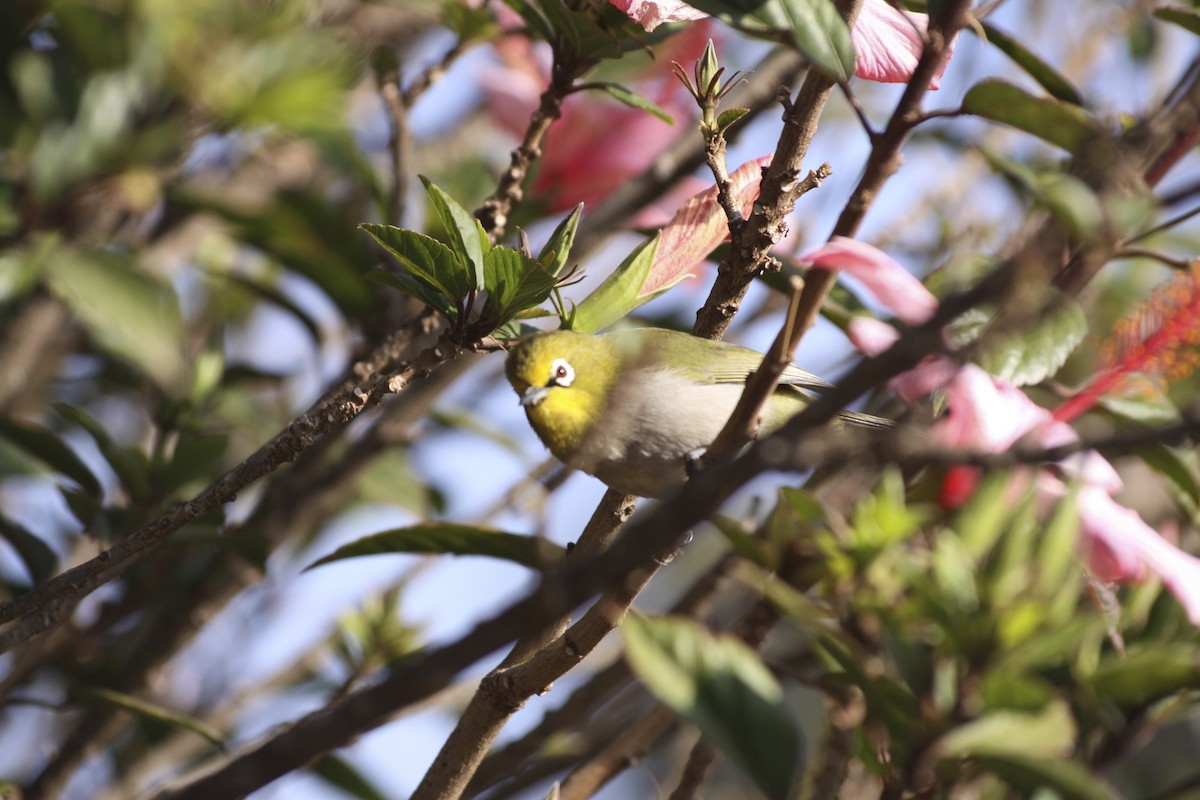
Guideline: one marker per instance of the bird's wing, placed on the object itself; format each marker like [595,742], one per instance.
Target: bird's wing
[721,362]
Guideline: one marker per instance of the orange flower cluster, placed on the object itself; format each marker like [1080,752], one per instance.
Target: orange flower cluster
[1161,339]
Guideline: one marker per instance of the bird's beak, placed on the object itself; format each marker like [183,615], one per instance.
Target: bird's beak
[534,395]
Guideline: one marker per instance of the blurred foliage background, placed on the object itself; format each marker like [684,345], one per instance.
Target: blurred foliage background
[182,274]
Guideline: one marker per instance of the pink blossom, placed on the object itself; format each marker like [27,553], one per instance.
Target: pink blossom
[871,336]
[698,227]
[985,414]
[597,143]
[931,374]
[1122,547]
[892,284]
[888,43]
[652,13]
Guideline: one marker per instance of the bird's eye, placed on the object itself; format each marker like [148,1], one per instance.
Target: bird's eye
[561,373]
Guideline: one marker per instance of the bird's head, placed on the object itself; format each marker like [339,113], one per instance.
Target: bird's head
[564,380]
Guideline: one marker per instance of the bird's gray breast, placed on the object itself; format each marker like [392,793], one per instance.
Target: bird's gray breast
[653,420]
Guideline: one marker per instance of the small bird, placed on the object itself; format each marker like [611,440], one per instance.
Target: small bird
[635,407]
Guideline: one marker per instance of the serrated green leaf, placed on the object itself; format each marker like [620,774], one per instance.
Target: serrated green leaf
[450,539]
[340,773]
[1147,673]
[514,283]
[619,293]
[1186,18]
[38,557]
[97,695]
[721,685]
[1047,77]
[45,446]
[126,312]
[560,243]
[1050,119]
[1038,352]
[463,230]
[427,260]
[411,286]
[635,100]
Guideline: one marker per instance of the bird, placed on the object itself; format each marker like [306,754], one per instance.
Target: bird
[636,407]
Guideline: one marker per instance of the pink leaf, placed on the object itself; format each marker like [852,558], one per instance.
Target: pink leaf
[698,227]
[652,13]
[1122,547]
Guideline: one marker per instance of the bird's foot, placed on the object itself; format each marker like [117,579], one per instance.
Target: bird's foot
[693,461]
[684,541]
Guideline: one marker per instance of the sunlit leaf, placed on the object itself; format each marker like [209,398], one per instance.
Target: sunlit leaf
[514,282]
[721,685]
[447,538]
[560,242]
[126,313]
[619,294]
[635,100]
[1047,77]
[1047,733]
[427,260]
[1062,124]
[463,230]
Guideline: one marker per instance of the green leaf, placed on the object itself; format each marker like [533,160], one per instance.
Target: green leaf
[721,685]
[1186,18]
[97,695]
[197,457]
[130,465]
[821,34]
[1059,123]
[1047,77]
[1032,355]
[462,228]
[38,557]
[1148,673]
[560,243]
[514,283]
[1068,779]
[126,313]
[451,539]
[729,116]
[44,446]
[427,260]
[411,286]
[340,773]
[634,100]
[1047,733]
[619,293]
[272,295]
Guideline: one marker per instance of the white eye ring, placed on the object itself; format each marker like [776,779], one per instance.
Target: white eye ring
[561,373]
